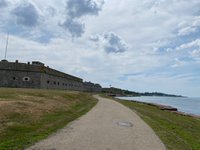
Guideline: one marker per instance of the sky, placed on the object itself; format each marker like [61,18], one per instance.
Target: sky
[139,45]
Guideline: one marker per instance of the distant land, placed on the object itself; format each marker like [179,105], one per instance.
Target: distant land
[121,92]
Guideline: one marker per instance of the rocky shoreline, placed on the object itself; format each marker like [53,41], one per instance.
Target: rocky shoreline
[169,108]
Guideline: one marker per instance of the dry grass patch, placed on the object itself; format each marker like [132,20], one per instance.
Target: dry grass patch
[28,115]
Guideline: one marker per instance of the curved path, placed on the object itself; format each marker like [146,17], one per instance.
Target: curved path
[108,126]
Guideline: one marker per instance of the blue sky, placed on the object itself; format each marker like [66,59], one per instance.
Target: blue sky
[140,45]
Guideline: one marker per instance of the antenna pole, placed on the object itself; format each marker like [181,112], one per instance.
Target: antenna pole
[6,46]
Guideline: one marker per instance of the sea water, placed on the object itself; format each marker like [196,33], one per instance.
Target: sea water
[183,104]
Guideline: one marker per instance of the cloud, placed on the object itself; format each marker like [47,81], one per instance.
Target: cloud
[3,3]
[80,8]
[161,37]
[190,27]
[74,27]
[185,54]
[26,15]
[189,46]
[77,9]
[186,31]
[50,11]
[94,38]
[47,20]
[111,42]
[114,43]
[196,54]
[178,63]
[193,49]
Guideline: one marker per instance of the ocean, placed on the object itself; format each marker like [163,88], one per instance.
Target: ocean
[184,104]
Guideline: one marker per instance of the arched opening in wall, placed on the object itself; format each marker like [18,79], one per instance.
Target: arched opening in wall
[58,83]
[26,79]
[54,82]
[48,82]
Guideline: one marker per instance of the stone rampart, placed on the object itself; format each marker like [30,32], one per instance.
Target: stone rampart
[37,75]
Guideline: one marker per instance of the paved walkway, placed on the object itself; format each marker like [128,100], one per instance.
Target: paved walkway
[108,126]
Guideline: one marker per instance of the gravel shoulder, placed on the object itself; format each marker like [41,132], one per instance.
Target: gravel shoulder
[108,126]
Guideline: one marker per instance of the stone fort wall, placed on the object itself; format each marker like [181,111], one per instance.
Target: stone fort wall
[36,75]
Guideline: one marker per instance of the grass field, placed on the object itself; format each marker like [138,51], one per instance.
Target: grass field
[177,132]
[29,115]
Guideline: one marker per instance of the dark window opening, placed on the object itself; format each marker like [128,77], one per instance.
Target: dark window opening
[48,81]
[14,78]
[54,82]
[58,83]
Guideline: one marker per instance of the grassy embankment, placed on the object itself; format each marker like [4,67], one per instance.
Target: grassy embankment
[177,132]
[28,115]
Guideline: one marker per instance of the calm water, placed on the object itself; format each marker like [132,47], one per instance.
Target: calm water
[188,105]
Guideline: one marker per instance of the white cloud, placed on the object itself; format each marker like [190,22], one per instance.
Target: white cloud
[76,28]
[147,36]
[190,26]
[178,63]
[185,54]
[196,54]
[77,9]
[110,42]
[186,31]
[80,8]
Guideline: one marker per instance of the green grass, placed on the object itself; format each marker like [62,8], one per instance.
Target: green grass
[23,125]
[177,132]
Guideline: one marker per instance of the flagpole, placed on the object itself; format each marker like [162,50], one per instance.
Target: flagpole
[6,46]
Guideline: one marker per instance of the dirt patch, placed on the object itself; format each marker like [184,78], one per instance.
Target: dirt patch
[32,108]
[28,107]
[2,103]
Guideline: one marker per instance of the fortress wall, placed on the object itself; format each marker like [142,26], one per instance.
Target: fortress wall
[26,79]
[91,87]
[54,82]
[22,79]
[21,67]
[36,75]
[54,72]
[36,68]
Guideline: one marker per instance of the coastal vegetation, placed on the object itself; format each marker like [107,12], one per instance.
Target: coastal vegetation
[178,132]
[121,92]
[29,115]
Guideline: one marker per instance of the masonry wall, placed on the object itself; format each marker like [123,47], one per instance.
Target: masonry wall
[22,75]
[56,73]
[22,79]
[25,79]
[49,81]
[21,67]
[91,87]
